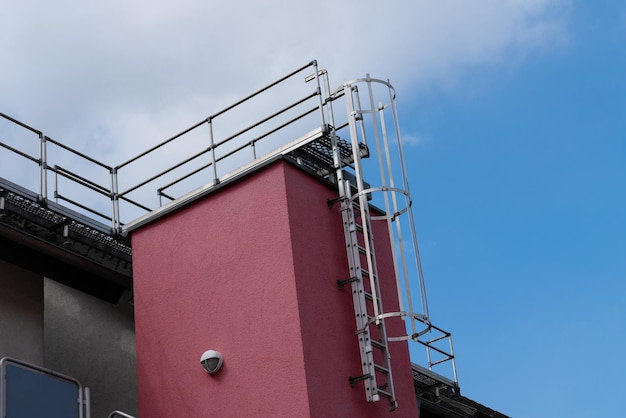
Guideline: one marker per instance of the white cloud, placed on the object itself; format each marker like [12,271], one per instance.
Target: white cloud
[112,78]
[71,63]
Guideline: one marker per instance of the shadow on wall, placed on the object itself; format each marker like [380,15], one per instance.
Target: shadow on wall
[94,342]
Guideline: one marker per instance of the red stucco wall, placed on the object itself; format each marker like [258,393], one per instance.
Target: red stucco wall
[327,314]
[251,271]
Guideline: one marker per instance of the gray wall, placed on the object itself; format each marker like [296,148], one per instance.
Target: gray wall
[21,314]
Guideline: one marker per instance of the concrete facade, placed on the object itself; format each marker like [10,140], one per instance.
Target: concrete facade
[251,271]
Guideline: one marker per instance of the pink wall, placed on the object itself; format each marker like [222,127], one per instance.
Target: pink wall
[251,271]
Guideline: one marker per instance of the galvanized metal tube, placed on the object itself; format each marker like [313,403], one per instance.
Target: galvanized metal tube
[80,154]
[87,402]
[115,201]
[319,95]
[212,147]
[43,166]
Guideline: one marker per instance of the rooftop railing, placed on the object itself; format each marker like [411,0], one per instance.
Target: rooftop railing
[201,154]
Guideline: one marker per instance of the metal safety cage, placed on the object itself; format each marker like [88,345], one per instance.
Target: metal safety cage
[372,122]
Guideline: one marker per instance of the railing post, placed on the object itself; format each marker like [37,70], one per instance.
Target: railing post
[319,94]
[56,186]
[329,100]
[115,202]
[456,378]
[212,147]
[43,167]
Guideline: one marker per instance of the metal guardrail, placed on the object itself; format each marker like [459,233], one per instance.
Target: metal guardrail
[202,159]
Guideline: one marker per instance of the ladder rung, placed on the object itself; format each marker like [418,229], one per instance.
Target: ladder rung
[378,344]
[384,393]
[381,369]
[369,296]
[362,250]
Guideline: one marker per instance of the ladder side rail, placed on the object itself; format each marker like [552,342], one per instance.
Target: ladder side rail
[353,116]
[358,295]
[367,358]
[356,276]
[377,303]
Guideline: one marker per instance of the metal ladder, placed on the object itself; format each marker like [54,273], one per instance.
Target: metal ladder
[390,192]
[373,343]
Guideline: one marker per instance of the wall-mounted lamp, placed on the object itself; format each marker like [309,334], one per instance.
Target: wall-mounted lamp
[212,361]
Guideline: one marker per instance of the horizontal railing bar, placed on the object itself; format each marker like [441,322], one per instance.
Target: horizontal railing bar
[67,199]
[80,154]
[245,99]
[23,125]
[208,119]
[262,121]
[443,360]
[340,127]
[240,148]
[139,205]
[436,349]
[196,171]
[167,141]
[279,127]
[174,167]
[166,195]
[233,151]
[80,180]
[23,154]
[446,333]
[249,143]
[434,340]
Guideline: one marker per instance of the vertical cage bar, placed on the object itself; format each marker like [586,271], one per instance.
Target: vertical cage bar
[411,218]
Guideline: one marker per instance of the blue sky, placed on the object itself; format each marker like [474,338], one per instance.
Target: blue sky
[516,115]
[521,201]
